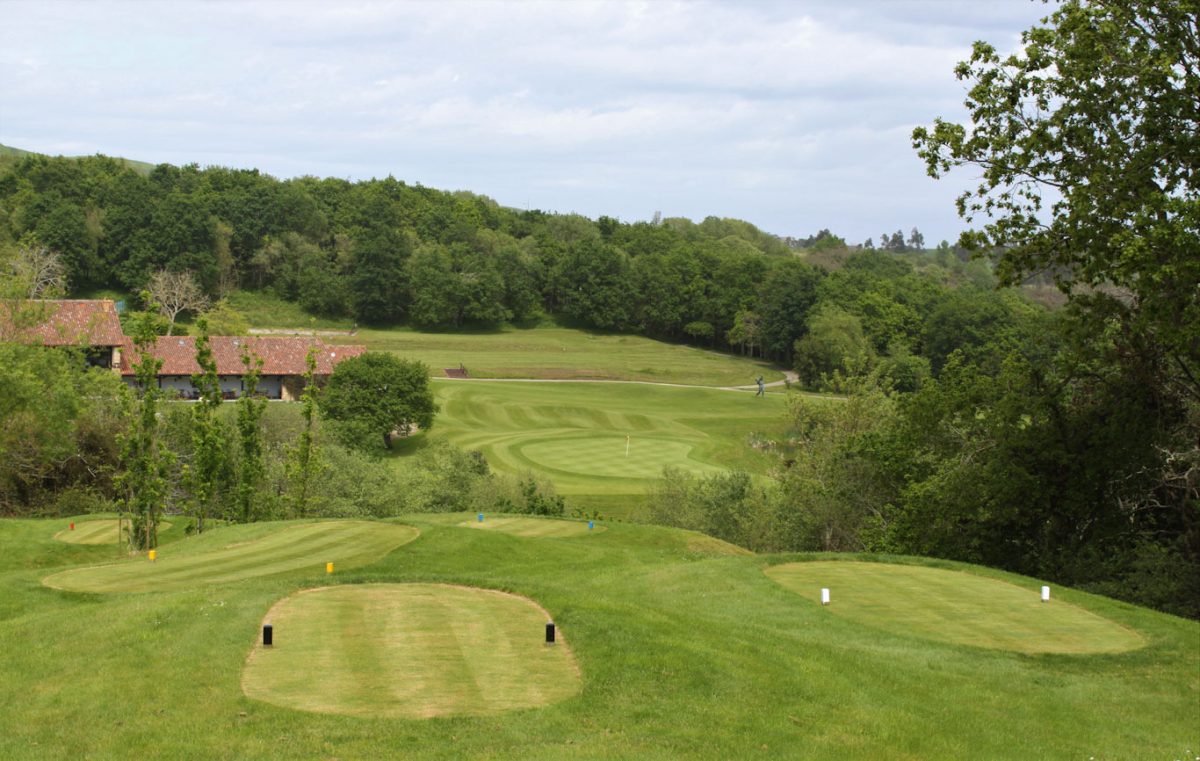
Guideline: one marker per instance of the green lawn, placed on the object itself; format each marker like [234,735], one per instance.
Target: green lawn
[956,607]
[99,531]
[576,434]
[300,547]
[683,651]
[531,527]
[545,351]
[412,651]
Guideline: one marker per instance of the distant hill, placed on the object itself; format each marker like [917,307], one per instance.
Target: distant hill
[9,154]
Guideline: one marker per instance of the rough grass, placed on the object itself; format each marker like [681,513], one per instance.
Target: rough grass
[576,434]
[99,531]
[956,607]
[409,651]
[532,527]
[307,546]
[683,654]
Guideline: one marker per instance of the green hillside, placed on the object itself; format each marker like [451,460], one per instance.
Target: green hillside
[9,154]
[669,646]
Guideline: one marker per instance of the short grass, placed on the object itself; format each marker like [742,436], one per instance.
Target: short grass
[576,434]
[301,547]
[683,652]
[956,607]
[411,651]
[98,531]
[532,527]
[543,351]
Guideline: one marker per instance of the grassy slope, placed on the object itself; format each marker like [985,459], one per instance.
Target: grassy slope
[539,352]
[682,655]
[954,607]
[575,434]
[306,546]
[140,167]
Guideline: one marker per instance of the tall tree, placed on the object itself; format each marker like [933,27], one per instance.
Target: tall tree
[38,270]
[146,462]
[1087,142]
[374,395]
[304,465]
[206,472]
[250,469]
[174,293]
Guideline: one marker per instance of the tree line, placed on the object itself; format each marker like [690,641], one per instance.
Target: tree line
[385,252]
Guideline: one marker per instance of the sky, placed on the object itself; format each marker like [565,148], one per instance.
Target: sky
[795,116]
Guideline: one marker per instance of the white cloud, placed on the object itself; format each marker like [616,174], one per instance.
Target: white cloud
[792,115]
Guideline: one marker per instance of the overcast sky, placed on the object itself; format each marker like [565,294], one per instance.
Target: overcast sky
[795,116]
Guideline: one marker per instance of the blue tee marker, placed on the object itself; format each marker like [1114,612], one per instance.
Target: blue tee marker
[590,526]
[481,517]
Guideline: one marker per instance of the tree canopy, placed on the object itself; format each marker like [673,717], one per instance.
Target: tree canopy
[375,395]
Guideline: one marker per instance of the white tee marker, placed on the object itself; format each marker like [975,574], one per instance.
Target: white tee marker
[1045,594]
[824,596]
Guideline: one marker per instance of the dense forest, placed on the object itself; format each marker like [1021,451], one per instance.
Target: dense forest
[384,252]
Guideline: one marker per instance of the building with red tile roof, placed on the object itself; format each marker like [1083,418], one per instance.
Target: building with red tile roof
[94,325]
[284,362]
[66,322]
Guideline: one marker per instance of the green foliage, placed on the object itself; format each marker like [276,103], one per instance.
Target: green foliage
[143,483]
[835,342]
[207,475]
[251,504]
[1085,138]
[304,463]
[224,320]
[58,426]
[728,506]
[787,296]
[375,396]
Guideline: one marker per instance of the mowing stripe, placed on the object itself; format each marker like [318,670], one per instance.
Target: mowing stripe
[304,547]
[100,531]
[954,606]
[409,651]
[532,527]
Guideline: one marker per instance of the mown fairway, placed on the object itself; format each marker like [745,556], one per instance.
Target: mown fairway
[684,651]
[956,607]
[532,527]
[546,351]
[98,531]
[576,434]
[411,651]
[305,546]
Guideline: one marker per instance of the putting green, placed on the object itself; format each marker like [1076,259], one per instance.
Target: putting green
[532,527]
[952,606]
[577,433]
[308,546]
[409,651]
[102,531]
[604,456]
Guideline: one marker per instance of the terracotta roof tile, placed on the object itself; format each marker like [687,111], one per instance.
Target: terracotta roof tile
[62,323]
[280,355]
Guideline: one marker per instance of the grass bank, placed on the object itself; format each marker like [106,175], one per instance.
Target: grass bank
[684,650]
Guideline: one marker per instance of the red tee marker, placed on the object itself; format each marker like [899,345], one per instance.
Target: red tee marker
[72,526]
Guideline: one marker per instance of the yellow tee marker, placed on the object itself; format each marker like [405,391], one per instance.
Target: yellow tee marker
[153,555]
[329,568]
